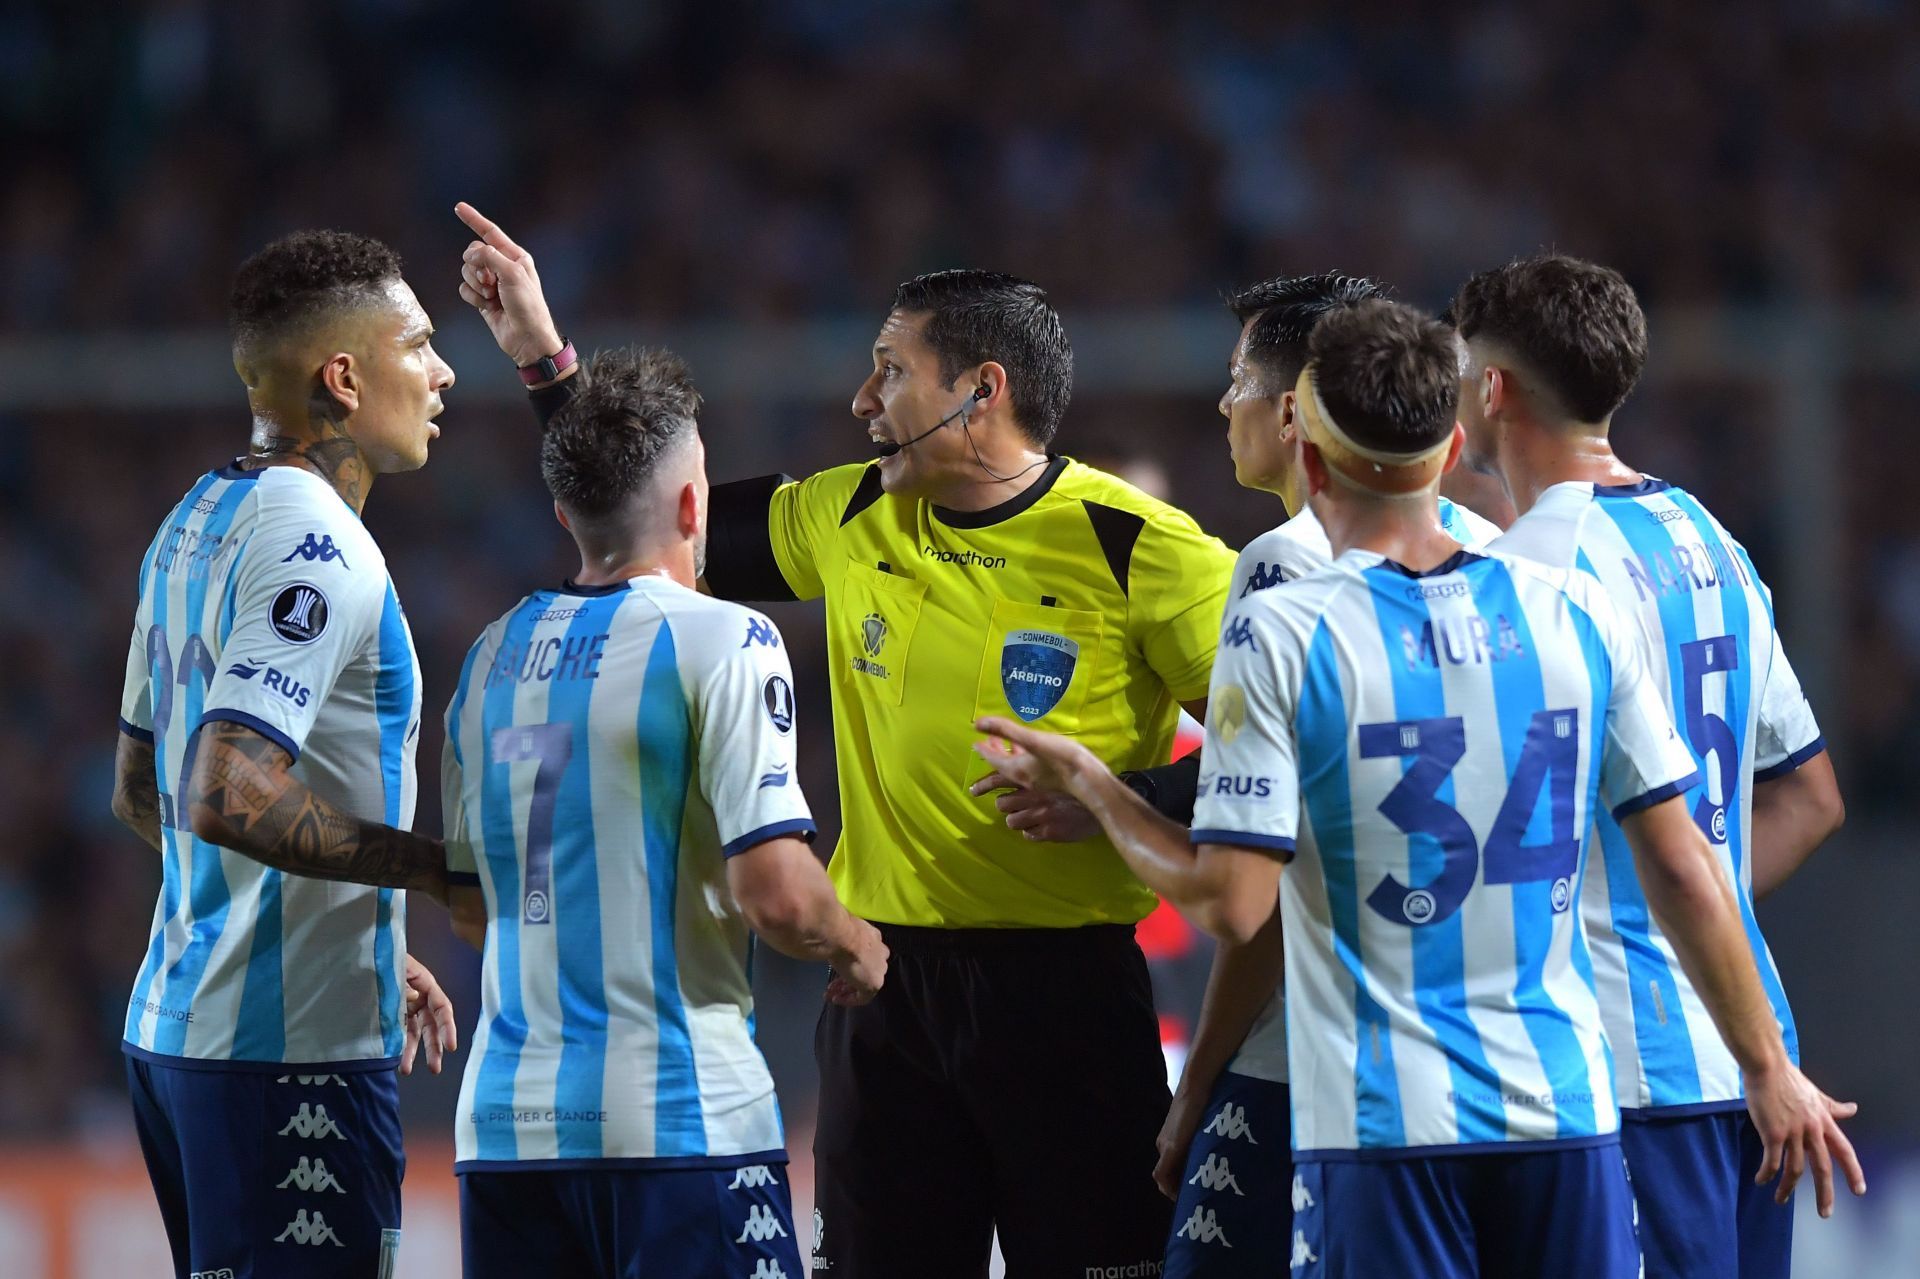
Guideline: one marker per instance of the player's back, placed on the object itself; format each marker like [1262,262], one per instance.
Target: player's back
[608,748]
[1706,621]
[264,602]
[1451,729]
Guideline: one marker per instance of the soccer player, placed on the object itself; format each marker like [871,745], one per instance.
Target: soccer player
[1009,1074]
[622,807]
[1419,734]
[1555,344]
[266,752]
[1239,1167]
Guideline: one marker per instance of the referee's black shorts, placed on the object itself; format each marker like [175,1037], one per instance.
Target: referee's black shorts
[1002,1077]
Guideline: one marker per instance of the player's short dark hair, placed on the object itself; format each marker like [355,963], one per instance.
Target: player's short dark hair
[1388,374]
[977,316]
[1575,324]
[1284,311]
[632,405]
[303,277]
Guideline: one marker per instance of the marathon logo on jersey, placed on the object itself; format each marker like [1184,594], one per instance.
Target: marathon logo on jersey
[1035,669]
[1239,634]
[963,559]
[1132,1270]
[762,1224]
[321,550]
[760,631]
[777,696]
[309,1229]
[1262,578]
[299,613]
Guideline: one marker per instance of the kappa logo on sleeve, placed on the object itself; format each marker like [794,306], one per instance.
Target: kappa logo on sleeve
[760,631]
[299,613]
[1239,634]
[321,549]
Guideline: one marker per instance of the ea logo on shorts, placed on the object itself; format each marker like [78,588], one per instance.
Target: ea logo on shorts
[777,695]
[1418,907]
[1719,825]
[1562,894]
[537,907]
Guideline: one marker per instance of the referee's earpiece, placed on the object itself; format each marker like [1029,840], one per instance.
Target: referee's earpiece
[980,393]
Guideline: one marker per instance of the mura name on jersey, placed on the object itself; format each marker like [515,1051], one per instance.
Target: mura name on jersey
[551,659]
[1684,568]
[1460,641]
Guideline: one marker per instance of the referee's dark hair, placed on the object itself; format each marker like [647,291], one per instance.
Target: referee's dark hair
[604,443]
[302,278]
[1388,374]
[1575,324]
[1284,311]
[977,316]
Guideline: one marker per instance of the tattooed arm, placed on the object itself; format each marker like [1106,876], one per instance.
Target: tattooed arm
[136,795]
[244,796]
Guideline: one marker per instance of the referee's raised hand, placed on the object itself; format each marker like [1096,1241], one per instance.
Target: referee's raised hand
[498,279]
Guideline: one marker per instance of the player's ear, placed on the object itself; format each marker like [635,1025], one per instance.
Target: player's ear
[1493,391]
[1454,446]
[691,515]
[340,381]
[561,515]
[1316,467]
[1289,417]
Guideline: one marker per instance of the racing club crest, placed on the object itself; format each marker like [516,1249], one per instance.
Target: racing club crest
[1035,669]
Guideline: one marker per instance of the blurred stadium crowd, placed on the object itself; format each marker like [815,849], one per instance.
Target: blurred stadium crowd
[674,162]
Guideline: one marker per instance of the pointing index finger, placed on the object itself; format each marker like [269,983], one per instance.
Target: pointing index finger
[483,227]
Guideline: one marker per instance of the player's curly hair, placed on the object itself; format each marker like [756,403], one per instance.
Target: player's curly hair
[1575,324]
[1284,311]
[1387,373]
[977,316]
[302,277]
[631,406]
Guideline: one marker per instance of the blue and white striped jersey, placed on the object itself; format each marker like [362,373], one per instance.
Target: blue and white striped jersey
[1436,744]
[1706,620]
[1298,546]
[264,601]
[607,749]
[1285,554]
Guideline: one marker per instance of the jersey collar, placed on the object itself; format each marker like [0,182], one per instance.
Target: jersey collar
[1011,507]
[1452,564]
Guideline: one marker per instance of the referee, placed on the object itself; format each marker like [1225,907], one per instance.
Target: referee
[1009,1074]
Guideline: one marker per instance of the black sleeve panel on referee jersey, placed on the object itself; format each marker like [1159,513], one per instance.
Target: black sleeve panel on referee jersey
[740,559]
[1117,531]
[547,400]
[864,496]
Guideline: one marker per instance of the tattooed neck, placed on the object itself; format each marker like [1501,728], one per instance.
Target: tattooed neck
[326,450]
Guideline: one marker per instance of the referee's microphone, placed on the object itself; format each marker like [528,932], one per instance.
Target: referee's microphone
[890,448]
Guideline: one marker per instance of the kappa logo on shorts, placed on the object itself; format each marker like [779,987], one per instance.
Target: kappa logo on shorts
[1201,1227]
[1231,1123]
[1303,1255]
[1302,1197]
[762,1224]
[311,1230]
[1216,1175]
[312,1121]
[1035,669]
[753,1177]
[767,1268]
[311,1175]
[308,1080]
[299,612]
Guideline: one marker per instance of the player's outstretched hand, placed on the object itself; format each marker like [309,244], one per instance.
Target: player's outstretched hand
[1038,814]
[1800,1125]
[498,279]
[428,1019]
[1175,1139]
[857,976]
[1037,761]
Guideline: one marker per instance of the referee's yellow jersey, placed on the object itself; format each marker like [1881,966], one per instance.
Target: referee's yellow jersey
[1082,606]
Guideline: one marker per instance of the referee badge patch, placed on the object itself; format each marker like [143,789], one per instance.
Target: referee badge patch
[1035,669]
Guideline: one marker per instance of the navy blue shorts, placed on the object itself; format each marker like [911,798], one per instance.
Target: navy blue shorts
[265,1175]
[1478,1216]
[1234,1219]
[1701,1216]
[627,1223]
